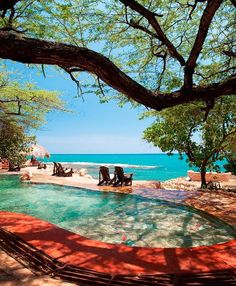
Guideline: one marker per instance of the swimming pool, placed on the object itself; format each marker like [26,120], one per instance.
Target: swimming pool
[112,217]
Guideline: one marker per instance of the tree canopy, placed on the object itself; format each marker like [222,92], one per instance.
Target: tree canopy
[22,109]
[14,143]
[157,53]
[203,137]
[25,104]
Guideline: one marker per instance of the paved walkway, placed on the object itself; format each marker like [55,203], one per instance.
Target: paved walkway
[13,273]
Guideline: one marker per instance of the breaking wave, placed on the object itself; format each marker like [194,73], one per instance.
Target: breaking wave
[91,164]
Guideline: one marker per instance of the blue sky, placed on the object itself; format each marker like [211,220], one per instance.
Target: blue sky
[92,127]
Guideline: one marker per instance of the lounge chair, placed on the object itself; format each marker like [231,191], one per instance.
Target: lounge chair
[59,171]
[104,176]
[213,185]
[42,165]
[120,178]
[55,168]
[13,168]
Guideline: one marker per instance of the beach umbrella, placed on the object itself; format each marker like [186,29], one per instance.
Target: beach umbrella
[39,151]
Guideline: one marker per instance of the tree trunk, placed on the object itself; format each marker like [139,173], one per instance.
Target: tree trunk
[203,176]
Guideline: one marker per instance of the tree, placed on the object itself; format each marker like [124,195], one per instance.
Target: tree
[22,110]
[230,166]
[202,136]
[175,51]
[25,104]
[14,143]
[230,155]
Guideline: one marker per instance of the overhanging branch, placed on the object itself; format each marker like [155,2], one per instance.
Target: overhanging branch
[207,16]
[151,18]
[34,51]
[28,50]
[7,5]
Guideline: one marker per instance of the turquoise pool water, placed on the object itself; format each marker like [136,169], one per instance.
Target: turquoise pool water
[112,217]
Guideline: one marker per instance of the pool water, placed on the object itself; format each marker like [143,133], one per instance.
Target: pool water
[115,218]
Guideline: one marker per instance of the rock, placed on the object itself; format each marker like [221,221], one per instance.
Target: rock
[26,176]
[82,172]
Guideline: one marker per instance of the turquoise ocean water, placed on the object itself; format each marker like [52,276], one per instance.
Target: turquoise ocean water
[143,166]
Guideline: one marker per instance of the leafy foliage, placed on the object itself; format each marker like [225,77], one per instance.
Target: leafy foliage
[230,166]
[126,37]
[201,135]
[22,109]
[118,30]
[14,143]
[230,155]
[25,104]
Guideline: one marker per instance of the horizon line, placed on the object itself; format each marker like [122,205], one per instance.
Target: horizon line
[163,153]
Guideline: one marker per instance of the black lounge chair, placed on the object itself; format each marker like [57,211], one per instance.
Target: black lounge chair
[55,169]
[13,168]
[42,166]
[59,171]
[121,178]
[104,176]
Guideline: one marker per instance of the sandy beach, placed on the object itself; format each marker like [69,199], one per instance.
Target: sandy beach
[87,181]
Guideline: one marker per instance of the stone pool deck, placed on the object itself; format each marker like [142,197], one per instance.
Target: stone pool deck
[74,249]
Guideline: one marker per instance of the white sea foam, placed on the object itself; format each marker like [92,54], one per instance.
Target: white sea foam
[110,165]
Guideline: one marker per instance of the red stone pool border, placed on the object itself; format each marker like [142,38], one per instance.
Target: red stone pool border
[74,249]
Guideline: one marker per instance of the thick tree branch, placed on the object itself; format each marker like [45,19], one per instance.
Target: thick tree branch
[209,105]
[34,51]
[234,3]
[151,18]
[7,5]
[199,93]
[188,144]
[207,16]
[220,146]
[27,50]
[230,54]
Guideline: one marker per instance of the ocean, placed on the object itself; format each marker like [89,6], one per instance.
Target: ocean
[144,166]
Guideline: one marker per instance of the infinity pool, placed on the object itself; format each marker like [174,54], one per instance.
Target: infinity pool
[115,218]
